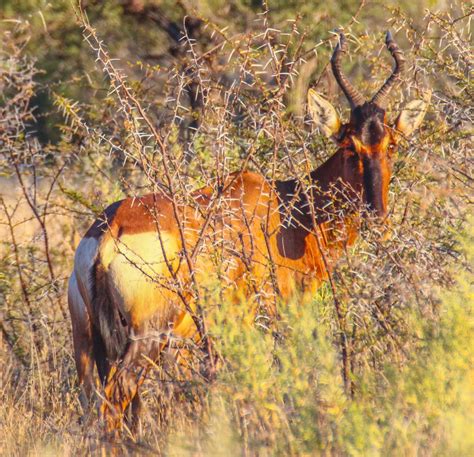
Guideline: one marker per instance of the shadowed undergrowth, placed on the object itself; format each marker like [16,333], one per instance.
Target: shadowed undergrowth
[403,385]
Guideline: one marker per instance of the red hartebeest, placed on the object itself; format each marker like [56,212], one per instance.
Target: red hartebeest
[130,276]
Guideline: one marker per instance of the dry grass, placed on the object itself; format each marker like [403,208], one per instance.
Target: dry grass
[406,302]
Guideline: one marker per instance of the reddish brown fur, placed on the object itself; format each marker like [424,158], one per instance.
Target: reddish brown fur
[279,236]
[268,251]
[251,222]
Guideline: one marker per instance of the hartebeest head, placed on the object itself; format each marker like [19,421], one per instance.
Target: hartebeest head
[367,141]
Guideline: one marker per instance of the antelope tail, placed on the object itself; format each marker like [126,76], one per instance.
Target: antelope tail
[110,330]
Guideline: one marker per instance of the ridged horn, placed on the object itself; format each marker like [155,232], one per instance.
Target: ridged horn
[354,97]
[380,98]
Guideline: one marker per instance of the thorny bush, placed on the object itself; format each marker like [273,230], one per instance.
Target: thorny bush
[282,387]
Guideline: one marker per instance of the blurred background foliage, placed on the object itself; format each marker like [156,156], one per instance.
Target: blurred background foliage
[203,70]
[148,33]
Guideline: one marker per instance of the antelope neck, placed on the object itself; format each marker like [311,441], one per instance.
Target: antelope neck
[293,199]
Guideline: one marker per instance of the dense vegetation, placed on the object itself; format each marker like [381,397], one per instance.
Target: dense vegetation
[96,102]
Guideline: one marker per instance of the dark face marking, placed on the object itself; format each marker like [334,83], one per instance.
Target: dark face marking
[368,124]
[368,139]
[374,185]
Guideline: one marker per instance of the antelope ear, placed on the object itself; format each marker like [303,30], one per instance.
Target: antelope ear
[323,114]
[412,115]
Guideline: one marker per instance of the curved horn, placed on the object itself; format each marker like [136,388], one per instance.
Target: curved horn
[354,97]
[380,98]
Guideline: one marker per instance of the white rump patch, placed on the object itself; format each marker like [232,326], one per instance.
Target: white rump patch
[84,259]
[77,306]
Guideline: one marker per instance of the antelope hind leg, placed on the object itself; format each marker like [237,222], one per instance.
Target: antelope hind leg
[124,381]
[82,340]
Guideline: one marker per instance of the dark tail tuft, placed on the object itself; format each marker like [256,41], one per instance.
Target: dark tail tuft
[110,331]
